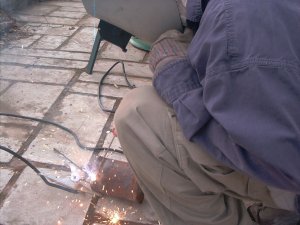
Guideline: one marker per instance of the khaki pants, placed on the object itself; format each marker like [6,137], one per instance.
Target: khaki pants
[183,184]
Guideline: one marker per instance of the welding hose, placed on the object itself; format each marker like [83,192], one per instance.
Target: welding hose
[61,127]
[36,170]
[131,86]
[64,129]
[73,134]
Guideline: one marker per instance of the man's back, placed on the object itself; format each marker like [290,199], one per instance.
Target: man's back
[245,64]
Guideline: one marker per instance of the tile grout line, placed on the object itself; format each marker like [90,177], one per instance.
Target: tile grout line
[43,66]
[91,210]
[35,82]
[5,89]
[9,186]
[47,115]
[35,41]
[39,66]
[80,28]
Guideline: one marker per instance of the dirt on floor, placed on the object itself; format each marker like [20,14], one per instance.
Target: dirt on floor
[9,29]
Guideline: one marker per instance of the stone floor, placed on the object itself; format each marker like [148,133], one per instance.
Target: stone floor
[42,74]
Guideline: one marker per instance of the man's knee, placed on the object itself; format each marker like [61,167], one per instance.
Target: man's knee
[138,100]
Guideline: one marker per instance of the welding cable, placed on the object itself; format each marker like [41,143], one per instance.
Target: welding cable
[64,129]
[38,172]
[131,86]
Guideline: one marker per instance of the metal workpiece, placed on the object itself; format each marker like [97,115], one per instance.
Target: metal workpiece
[115,178]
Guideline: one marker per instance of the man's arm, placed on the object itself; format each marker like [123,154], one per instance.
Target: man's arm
[229,111]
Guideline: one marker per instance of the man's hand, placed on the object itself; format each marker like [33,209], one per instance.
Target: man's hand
[171,45]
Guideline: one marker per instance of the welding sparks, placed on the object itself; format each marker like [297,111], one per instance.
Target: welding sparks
[114,216]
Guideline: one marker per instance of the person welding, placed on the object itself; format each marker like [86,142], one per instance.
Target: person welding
[216,139]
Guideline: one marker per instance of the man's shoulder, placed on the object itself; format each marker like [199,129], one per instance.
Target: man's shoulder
[264,30]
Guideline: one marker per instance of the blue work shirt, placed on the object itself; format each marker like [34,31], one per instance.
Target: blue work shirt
[237,93]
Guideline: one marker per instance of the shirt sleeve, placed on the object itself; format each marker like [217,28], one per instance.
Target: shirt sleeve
[194,10]
[193,14]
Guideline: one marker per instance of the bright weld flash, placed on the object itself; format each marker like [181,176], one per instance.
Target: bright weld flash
[93,177]
[115,219]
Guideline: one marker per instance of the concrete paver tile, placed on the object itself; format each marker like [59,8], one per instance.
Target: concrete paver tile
[115,79]
[82,114]
[45,53]
[64,4]
[33,202]
[24,42]
[31,99]
[5,175]
[38,10]
[132,68]
[49,42]
[86,88]
[49,29]
[146,59]
[33,74]
[67,14]
[72,9]
[13,133]
[41,149]
[64,63]
[79,114]
[31,61]
[46,19]
[3,84]
[33,90]
[82,41]
[107,90]
[17,59]
[89,22]
[113,52]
